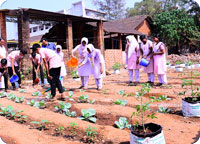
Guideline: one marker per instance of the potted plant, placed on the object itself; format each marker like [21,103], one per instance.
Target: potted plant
[191,104]
[180,64]
[142,132]
[189,65]
[116,68]
[75,75]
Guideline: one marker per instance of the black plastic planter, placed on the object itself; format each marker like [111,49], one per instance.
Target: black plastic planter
[155,137]
[191,107]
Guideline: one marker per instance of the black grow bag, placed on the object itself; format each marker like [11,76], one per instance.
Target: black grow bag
[190,100]
[156,129]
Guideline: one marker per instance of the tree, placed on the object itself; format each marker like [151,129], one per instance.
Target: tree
[145,7]
[177,28]
[114,9]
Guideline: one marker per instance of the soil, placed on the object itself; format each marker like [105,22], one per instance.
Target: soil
[187,130]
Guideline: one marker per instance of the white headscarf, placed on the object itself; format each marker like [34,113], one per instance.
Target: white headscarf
[83,48]
[91,48]
[59,53]
[132,45]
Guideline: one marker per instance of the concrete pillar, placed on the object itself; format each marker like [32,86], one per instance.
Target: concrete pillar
[100,36]
[3,28]
[69,36]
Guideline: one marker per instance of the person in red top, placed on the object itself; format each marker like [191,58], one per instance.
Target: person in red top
[36,61]
[3,70]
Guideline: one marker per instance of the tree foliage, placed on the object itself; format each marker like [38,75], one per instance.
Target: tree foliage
[145,7]
[114,9]
[176,27]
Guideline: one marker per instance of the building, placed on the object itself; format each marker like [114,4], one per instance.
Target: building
[79,9]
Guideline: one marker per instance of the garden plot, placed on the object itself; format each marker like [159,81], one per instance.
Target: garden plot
[73,121]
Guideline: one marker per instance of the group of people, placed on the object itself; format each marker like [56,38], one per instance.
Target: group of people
[155,54]
[91,62]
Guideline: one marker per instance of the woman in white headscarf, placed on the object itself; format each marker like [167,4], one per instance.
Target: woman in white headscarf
[84,68]
[132,56]
[98,65]
[63,72]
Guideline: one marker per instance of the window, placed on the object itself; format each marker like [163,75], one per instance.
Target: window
[35,29]
[47,26]
[30,30]
[41,28]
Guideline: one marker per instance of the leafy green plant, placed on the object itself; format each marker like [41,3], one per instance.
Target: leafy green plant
[116,66]
[19,99]
[39,104]
[48,96]
[11,96]
[21,91]
[64,109]
[120,102]
[42,124]
[73,128]
[163,110]
[74,74]
[60,129]
[83,99]
[38,93]
[31,103]
[88,115]
[179,62]
[70,97]
[122,123]
[142,107]
[11,113]
[190,82]
[3,94]
[91,133]
[189,63]
[123,93]
[91,101]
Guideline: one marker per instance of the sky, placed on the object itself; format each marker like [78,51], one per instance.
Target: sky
[48,5]
[51,5]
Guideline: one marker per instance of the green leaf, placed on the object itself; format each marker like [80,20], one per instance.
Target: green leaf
[92,119]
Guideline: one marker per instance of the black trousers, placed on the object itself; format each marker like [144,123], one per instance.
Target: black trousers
[41,73]
[10,71]
[55,82]
[5,77]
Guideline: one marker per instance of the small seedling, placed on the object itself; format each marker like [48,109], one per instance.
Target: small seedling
[19,99]
[21,91]
[163,110]
[88,115]
[3,94]
[120,102]
[64,109]
[37,93]
[91,101]
[41,104]
[91,133]
[122,123]
[71,94]
[42,124]
[83,99]
[73,128]
[123,93]
[60,129]
[11,97]
[31,103]
[48,96]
